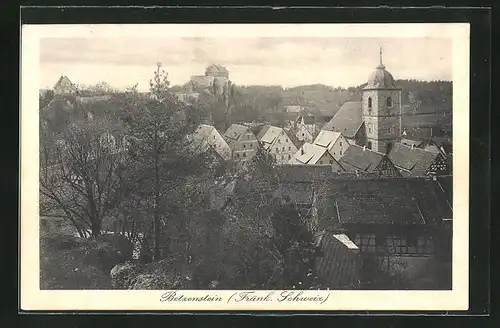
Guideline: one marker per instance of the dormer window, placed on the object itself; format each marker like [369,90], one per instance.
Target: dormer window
[369,102]
[389,102]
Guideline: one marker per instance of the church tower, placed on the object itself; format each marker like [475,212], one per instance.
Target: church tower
[381,107]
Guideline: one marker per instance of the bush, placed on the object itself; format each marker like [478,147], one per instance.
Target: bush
[68,262]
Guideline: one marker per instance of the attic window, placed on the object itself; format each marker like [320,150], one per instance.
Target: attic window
[369,102]
[389,102]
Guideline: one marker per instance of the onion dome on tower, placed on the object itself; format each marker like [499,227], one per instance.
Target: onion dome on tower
[381,78]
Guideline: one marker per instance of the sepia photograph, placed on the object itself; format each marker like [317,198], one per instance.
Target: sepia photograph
[246,168]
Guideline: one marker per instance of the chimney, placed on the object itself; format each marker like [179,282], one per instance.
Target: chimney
[412,146]
[302,151]
[364,147]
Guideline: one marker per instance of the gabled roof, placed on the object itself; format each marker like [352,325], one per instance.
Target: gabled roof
[396,201]
[359,158]
[62,79]
[269,133]
[235,131]
[312,153]
[303,173]
[347,120]
[326,138]
[309,119]
[293,138]
[414,161]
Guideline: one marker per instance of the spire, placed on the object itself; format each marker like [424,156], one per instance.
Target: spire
[381,65]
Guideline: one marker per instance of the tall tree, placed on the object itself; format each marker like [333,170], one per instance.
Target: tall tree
[157,124]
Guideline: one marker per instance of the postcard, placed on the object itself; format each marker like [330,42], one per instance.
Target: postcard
[222,167]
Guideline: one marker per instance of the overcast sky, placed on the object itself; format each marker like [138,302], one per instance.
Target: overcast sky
[122,62]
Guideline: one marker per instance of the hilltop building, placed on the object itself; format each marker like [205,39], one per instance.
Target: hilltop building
[64,86]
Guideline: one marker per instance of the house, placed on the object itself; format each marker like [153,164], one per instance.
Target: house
[387,216]
[242,142]
[278,143]
[309,121]
[207,136]
[64,86]
[333,141]
[302,133]
[311,154]
[412,161]
[362,160]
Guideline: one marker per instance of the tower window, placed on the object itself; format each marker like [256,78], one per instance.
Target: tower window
[369,102]
[389,102]
[369,145]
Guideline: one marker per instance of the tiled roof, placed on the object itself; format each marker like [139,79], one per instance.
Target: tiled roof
[410,142]
[338,267]
[311,153]
[414,160]
[269,133]
[347,120]
[293,138]
[235,131]
[326,138]
[308,119]
[402,201]
[359,158]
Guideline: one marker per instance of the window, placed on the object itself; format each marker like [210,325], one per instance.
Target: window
[238,155]
[369,145]
[244,146]
[214,137]
[320,162]
[389,102]
[341,152]
[289,148]
[369,102]
[370,130]
[279,140]
[302,134]
[341,144]
[389,130]
[283,148]
[286,140]
[331,162]
[289,156]
[244,154]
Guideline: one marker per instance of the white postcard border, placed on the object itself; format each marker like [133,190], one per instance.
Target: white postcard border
[32,298]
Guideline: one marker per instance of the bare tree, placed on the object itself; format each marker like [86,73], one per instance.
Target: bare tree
[81,179]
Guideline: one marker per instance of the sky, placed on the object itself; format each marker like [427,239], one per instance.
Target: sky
[285,61]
